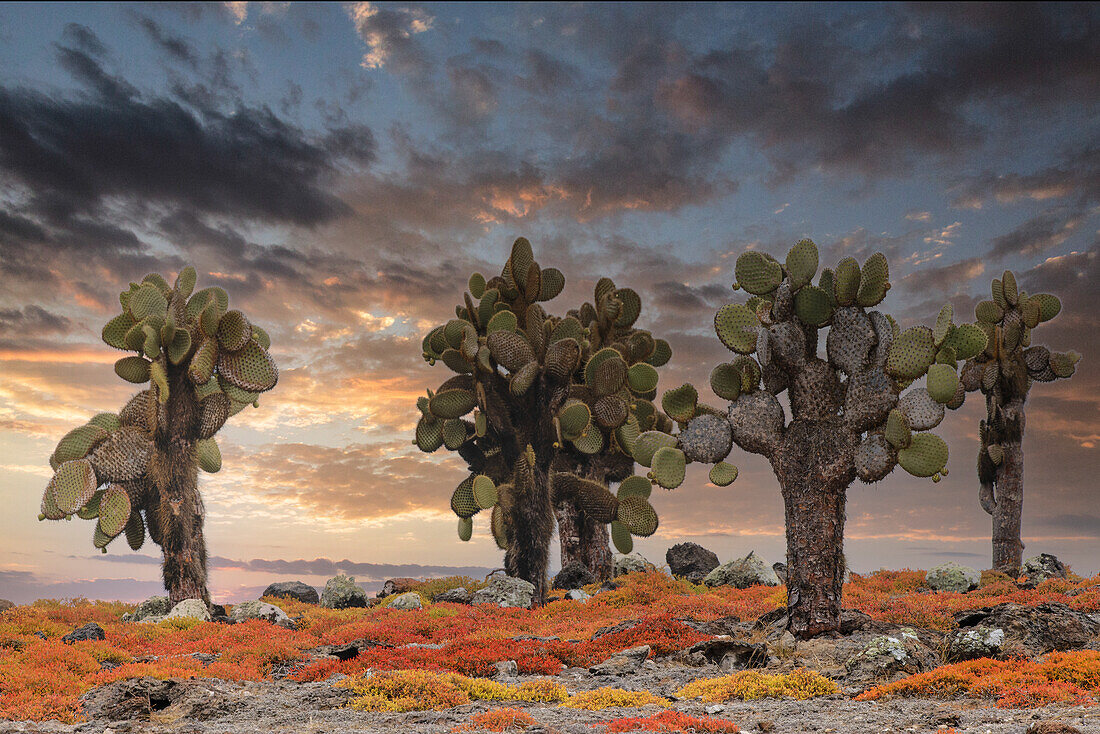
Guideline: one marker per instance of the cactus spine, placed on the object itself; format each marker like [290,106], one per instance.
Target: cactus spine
[849,418]
[557,403]
[1005,371]
[137,472]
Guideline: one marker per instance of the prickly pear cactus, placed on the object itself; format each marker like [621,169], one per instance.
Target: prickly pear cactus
[134,473]
[855,410]
[544,409]
[1004,371]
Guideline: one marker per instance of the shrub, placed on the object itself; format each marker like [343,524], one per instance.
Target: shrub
[607,697]
[670,721]
[799,684]
[504,719]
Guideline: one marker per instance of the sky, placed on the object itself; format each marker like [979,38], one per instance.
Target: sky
[341,170]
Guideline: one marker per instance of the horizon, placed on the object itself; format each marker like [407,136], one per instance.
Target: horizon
[341,170]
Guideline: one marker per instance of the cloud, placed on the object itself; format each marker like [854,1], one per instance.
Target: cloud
[388,33]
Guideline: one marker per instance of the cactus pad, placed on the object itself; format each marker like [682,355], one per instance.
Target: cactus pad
[72,485]
[925,456]
[662,353]
[114,511]
[802,261]
[575,418]
[605,372]
[847,281]
[78,442]
[123,457]
[114,333]
[463,502]
[942,381]
[620,536]
[757,273]
[642,377]
[911,354]
[251,368]
[635,486]
[921,412]
[874,281]
[870,397]
[610,411]
[707,438]
[209,455]
[725,381]
[592,498]
[591,442]
[454,433]
[897,429]
[757,421]
[812,305]
[133,369]
[648,443]
[723,474]
[850,340]
[484,491]
[638,516]
[967,340]
[465,529]
[1049,306]
[679,403]
[736,325]
[668,467]
[452,403]
[429,434]
[510,349]
[234,331]
[875,458]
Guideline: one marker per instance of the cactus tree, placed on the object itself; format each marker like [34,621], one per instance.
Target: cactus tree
[1004,372]
[849,418]
[137,471]
[554,405]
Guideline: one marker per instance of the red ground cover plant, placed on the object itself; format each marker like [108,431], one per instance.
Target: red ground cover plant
[504,719]
[1061,677]
[671,721]
[43,679]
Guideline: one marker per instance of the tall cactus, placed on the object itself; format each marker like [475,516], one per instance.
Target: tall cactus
[554,404]
[848,417]
[1004,371]
[137,471]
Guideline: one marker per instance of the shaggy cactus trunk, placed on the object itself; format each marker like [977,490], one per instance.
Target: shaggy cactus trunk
[583,540]
[179,514]
[815,467]
[1008,548]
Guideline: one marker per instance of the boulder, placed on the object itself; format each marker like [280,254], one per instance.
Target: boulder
[630,563]
[1052,727]
[624,662]
[684,559]
[139,698]
[1042,567]
[506,591]
[190,609]
[780,569]
[743,573]
[1034,630]
[260,610]
[976,642]
[341,592]
[726,652]
[951,576]
[886,655]
[293,590]
[90,631]
[408,600]
[506,669]
[398,586]
[574,575]
[457,595]
[155,606]
[577,595]
[5,605]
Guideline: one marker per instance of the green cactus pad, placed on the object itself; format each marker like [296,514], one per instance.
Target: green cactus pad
[463,502]
[679,403]
[610,411]
[185,282]
[456,362]
[72,485]
[811,305]
[736,325]
[454,434]
[944,324]
[477,285]
[996,289]
[114,333]
[1049,306]
[668,467]
[847,281]
[49,509]
[941,382]
[750,372]
[567,328]
[1064,364]
[251,368]
[638,515]
[591,442]
[157,280]
[234,331]
[874,281]
[1008,288]
[756,273]
[100,539]
[123,457]
[925,456]
[627,434]
[209,455]
[725,381]
[631,309]
[521,381]
[967,340]
[723,474]
[151,346]
[452,403]
[497,525]
[90,510]
[465,529]
[77,443]
[988,312]
[620,536]
[510,349]
[107,421]
[575,418]
[133,369]
[235,393]
[261,337]
[911,353]
[827,283]
[553,282]
[642,377]
[135,531]
[180,345]
[897,429]
[114,511]
[484,491]
[802,261]
[148,300]
[605,372]
[635,486]
[662,353]
[201,367]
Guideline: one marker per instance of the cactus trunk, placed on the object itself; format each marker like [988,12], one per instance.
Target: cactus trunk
[530,525]
[1008,549]
[583,540]
[815,467]
[179,512]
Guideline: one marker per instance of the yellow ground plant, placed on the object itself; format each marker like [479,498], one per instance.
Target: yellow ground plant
[799,684]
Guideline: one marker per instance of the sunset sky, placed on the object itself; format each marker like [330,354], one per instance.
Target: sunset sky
[342,169]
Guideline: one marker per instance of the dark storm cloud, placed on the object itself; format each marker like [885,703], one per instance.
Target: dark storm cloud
[32,320]
[1037,235]
[174,46]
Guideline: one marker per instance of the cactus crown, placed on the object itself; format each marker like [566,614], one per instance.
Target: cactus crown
[184,340]
[869,361]
[569,394]
[1007,366]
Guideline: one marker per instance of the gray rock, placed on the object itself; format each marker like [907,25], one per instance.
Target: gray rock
[398,586]
[506,669]
[1042,567]
[713,709]
[190,609]
[623,662]
[341,592]
[90,631]
[951,576]
[457,595]
[573,575]
[976,642]
[505,591]
[1034,630]
[743,573]
[578,595]
[887,655]
[259,610]
[293,590]
[407,601]
[156,606]
[138,698]
[685,559]
[780,569]
[5,605]
[729,654]
[630,563]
